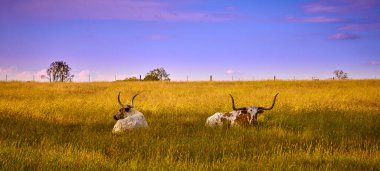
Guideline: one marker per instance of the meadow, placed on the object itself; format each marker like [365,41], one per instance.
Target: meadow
[315,125]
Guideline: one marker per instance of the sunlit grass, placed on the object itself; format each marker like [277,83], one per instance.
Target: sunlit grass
[314,125]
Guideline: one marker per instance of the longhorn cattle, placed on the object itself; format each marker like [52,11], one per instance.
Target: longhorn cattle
[240,116]
[128,118]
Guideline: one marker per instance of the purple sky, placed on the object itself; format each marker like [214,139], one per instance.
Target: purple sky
[224,38]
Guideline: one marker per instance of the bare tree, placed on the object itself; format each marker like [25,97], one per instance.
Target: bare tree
[59,71]
[339,74]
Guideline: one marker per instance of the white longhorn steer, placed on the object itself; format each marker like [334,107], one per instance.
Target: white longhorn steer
[240,116]
[128,118]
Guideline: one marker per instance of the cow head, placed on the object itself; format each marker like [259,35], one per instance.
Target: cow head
[252,111]
[125,109]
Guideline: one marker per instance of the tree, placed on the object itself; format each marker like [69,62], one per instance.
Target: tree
[157,74]
[339,74]
[58,71]
[131,79]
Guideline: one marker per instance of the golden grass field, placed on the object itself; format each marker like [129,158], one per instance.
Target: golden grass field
[315,125]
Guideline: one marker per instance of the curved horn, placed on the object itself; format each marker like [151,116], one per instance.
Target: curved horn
[269,108]
[118,99]
[233,104]
[133,98]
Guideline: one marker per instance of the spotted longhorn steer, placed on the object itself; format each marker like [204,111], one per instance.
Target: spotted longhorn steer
[128,118]
[240,116]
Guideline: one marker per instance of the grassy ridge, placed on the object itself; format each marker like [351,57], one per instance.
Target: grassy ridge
[314,125]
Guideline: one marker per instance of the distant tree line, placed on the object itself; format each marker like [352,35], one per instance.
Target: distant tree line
[59,71]
[158,74]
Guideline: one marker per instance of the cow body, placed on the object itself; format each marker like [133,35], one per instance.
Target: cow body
[128,118]
[133,120]
[243,116]
[234,118]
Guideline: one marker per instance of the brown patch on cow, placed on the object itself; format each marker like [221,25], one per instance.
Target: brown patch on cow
[225,121]
[244,112]
[243,119]
[227,114]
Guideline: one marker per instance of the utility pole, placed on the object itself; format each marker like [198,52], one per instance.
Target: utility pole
[6,77]
[33,78]
[232,78]
[187,78]
[89,78]
[274,78]
[140,77]
[115,77]
[210,77]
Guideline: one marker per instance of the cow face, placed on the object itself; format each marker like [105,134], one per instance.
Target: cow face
[123,112]
[254,111]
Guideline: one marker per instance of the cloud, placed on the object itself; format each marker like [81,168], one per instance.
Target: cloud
[361,27]
[41,72]
[320,19]
[83,73]
[374,62]
[157,37]
[7,70]
[317,7]
[13,73]
[340,6]
[343,36]
[231,8]
[138,10]
[233,72]
[230,71]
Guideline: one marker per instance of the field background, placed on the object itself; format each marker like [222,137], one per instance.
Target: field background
[332,125]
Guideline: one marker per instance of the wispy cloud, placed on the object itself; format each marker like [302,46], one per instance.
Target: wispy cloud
[13,73]
[320,19]
[231,8]
[140,10]
[233,72]
[83,73]
[340,6]
[343,36]
[375,62]
[359,15]
[318,7]
[157,37]
[41,72]
[361,27]
[7,70]
[230,71]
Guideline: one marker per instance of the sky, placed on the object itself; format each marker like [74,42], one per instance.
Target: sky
[228,39]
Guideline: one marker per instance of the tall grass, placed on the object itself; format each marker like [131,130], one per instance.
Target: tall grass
[329,125]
